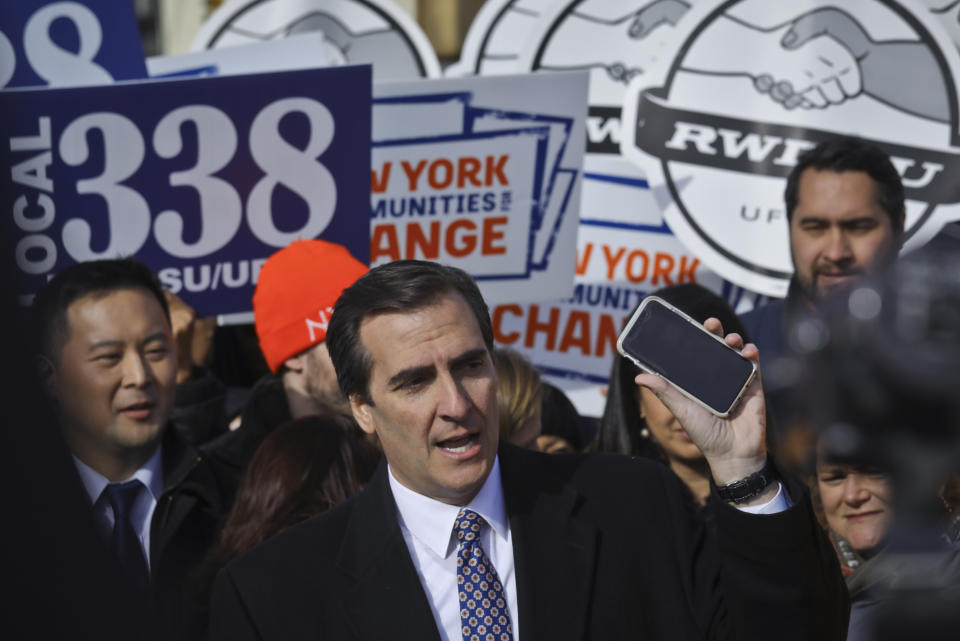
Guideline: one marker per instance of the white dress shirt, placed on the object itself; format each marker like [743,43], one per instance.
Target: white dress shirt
[151,475]
[427,528]
[778,503]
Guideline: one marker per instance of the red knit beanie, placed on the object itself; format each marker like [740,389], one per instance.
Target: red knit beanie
[296,290]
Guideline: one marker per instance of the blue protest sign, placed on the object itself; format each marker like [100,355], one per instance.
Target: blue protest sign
[69,44]
[201,179]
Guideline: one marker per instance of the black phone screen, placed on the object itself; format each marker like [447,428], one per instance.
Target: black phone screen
[686,355]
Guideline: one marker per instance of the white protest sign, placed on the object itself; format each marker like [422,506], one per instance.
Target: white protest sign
[623,245]
[483,174]
[573,341]
[377,32]
[948,12]
[718,130]
[305,51]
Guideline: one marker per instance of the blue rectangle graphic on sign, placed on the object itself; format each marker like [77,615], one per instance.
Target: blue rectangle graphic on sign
[431,120]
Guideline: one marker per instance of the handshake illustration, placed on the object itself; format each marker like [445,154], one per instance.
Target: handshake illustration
[819,59]
[824,58]
[825,48]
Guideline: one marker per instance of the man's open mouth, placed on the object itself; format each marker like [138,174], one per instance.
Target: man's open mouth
[459,444]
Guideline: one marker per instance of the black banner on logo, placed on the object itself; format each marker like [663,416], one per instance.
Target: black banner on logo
[603,130]
[768,149]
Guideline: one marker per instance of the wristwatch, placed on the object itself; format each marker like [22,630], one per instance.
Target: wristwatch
[749,487]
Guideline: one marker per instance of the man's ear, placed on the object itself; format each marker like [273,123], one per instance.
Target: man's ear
[295,363]
[362,413]
[46,374]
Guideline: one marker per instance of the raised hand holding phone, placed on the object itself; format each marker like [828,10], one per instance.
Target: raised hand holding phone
[734,445]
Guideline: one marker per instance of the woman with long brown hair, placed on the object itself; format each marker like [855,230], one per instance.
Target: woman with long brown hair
[302,468]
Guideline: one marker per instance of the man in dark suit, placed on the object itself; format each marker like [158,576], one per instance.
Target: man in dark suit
[107,363]
[459,537]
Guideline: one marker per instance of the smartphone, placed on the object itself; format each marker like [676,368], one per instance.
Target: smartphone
[660,338]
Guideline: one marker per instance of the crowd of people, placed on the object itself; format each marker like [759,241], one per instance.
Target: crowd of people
[393,474]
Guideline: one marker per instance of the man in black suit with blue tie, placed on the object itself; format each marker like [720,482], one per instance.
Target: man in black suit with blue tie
[107,362]
[460,537]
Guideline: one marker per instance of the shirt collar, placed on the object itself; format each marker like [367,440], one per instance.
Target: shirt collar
[431,521]
[151,475]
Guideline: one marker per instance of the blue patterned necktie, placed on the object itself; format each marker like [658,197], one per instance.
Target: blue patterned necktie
[484,615]
[125,542]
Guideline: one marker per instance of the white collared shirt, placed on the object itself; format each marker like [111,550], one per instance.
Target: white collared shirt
[151,475]
[427,528]
[779,503]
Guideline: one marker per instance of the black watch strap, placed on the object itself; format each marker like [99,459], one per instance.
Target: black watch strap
[749,487]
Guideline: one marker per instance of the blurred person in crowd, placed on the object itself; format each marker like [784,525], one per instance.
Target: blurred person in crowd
[637,423]
[951,502]
[302,468]
[533,413]
[845,211]
[857,505]
[200,402]
[879,383]
[519,396]
[857,500]
[559,551]
[107,361]
[561,425]
[296,289]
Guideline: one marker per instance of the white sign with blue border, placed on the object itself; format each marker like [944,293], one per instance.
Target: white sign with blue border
[483,174]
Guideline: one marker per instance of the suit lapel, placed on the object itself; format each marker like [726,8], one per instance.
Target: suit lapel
[387,600]
[553,550]
[179,460]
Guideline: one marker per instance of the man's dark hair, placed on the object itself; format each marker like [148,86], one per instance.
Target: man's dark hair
[851,154]
[93,278]
[399,287]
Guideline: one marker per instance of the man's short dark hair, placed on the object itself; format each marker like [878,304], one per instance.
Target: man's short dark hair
[399,287]
[851,154]
[93,278]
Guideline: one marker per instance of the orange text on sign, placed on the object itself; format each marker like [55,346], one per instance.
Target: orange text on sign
[444,173]
[637,266]
[577,330]
[461,238]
